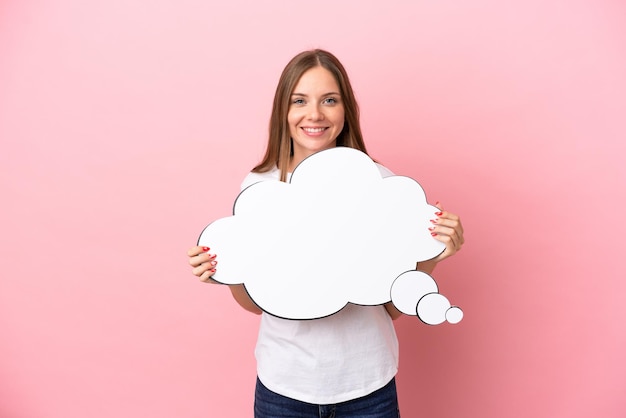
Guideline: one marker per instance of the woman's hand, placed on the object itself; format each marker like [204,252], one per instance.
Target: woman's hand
[447,228]
[203,263]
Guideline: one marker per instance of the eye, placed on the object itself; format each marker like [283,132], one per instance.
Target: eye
[297,101]
[330,100]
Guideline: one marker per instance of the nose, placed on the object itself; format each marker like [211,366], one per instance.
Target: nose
[316,113]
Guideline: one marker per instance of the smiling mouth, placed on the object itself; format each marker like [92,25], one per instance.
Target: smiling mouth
[314,130]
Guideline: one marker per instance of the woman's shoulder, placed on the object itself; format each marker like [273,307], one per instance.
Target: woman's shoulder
[255,177]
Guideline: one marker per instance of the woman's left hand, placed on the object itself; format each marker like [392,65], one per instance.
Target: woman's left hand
[447,228]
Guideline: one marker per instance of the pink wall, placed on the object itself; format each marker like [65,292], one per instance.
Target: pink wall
[126,126]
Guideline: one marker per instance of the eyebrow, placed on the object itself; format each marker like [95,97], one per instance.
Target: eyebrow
[326,94]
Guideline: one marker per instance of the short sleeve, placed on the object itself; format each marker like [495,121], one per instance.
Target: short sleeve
[384,171]
[253,177]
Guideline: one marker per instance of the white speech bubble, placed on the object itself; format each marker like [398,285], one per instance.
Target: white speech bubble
[416,293]
[337,233]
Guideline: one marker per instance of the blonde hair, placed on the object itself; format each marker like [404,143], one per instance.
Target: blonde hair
[279,146]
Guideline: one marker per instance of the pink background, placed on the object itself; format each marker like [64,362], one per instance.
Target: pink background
[127,126]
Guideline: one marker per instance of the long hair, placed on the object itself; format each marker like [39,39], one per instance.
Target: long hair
[280,146]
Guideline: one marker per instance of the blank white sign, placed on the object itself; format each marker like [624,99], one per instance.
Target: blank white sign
[338,232]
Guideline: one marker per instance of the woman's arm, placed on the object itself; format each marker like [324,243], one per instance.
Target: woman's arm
[243,299]
[393,312]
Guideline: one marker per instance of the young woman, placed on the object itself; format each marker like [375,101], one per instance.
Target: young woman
[343,365]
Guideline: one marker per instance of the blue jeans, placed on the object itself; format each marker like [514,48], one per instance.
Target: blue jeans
[382,403]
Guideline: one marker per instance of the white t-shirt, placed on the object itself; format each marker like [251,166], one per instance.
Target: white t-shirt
[329,360]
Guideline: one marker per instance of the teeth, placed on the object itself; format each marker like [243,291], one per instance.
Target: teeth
[314,130]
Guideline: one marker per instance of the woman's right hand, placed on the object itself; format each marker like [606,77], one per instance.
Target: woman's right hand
[203,263]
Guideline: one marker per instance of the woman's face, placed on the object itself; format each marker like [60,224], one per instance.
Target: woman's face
[316,113]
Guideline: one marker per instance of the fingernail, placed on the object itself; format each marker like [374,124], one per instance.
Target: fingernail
[434,234]
[213,257]
[212,271]
[439,213]
[205,249]
[213,263]
[432,228]
[433,221]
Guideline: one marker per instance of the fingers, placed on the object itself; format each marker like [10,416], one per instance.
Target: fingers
[197,257]
[208,265]
[193,251]
[447,228]
[203,263]
[454,231]
[207,277]
[451,241]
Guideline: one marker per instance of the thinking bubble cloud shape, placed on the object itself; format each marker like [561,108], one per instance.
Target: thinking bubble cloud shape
[337,233]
